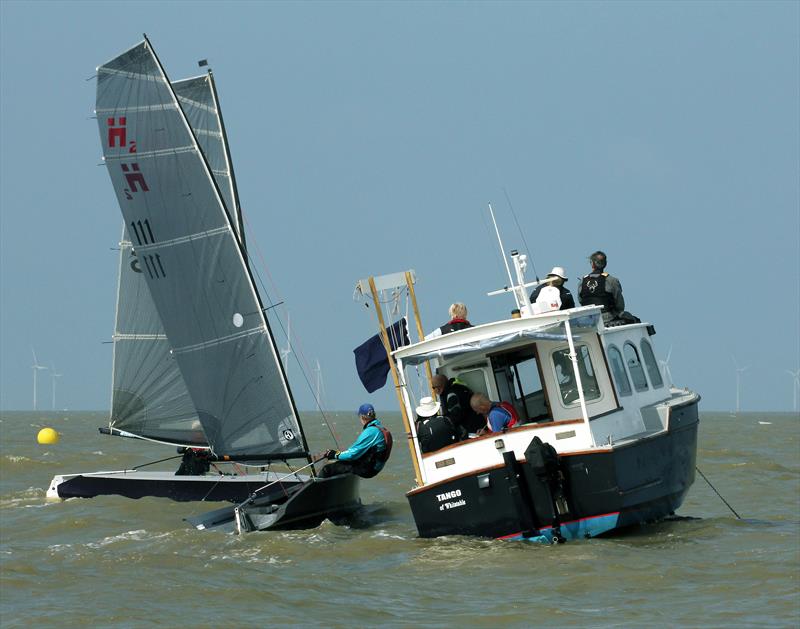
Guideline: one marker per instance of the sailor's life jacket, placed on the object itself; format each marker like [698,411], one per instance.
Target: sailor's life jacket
[593,292]
[435,433]
[506,408]
[454,325]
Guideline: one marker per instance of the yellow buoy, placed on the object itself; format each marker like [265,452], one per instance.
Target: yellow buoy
[47,437]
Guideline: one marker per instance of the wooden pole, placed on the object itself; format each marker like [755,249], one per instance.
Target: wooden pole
[421,334]
[387,346]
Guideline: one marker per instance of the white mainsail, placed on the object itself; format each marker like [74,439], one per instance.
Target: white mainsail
[186,245]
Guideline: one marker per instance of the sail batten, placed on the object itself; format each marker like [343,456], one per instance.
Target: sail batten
[201,286]
[219,231]
[218,341]
[153,154]
[131,75]
[131,110]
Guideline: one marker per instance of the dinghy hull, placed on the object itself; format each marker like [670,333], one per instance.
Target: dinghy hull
[611,488]
[134,484]
[318,499]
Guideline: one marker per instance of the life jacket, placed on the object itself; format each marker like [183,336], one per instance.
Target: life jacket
[374,459]
[454,325]
[383,455]
[511,411]
[508,408]
[593,291]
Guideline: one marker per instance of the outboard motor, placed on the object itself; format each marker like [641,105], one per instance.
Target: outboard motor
[546,483]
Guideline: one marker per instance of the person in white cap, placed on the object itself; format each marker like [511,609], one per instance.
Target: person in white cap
[555,279]
[433,430]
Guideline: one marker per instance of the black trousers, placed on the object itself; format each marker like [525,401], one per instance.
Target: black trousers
[360,468]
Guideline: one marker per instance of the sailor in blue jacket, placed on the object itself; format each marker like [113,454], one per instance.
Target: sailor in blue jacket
[367,456]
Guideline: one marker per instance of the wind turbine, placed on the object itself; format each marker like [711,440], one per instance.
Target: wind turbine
[739,371]
[665,368]
[53,375]
[795,387]
[36,368]
[318,383]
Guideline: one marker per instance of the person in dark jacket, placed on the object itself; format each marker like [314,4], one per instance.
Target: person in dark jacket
[559,276]
[598,288]
[454,397]
[458,321]
[434,430]
[368,454]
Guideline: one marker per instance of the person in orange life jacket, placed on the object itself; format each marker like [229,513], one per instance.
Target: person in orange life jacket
[499,415]
[559,276]
[368,454]
[455,398]
[598,288]
[458,321]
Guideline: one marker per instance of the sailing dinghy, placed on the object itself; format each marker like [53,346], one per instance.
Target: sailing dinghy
[195,361]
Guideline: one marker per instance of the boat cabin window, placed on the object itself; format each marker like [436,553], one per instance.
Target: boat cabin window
[652,366]
[518,381]
[566,375]
[618,369]
[473,378]
[635,367]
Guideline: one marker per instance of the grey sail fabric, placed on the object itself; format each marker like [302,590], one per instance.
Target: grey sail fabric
[193,264]
[197,97]
[149,398]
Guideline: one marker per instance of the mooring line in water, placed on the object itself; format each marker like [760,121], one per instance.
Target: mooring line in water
[738,517]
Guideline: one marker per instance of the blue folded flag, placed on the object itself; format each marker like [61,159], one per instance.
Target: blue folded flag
[371,361]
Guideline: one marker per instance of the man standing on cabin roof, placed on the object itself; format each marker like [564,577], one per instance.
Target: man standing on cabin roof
[368,454]
[455,398]
[499,415]
[601,289]
[557,278]
[458,321]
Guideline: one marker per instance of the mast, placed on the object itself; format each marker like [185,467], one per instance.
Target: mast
[242,252]
[228,160]
[238,227]
[420,332]
[388,349]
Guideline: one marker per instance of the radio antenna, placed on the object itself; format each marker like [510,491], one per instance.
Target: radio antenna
[525,242]
[500,242]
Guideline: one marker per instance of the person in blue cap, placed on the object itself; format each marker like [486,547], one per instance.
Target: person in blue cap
[367,456]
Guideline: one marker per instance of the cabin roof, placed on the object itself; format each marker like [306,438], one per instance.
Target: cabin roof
[499,333]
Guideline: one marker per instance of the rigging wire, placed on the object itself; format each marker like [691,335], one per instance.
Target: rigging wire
[522,235]
[299,354]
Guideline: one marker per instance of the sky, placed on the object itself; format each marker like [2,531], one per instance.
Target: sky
[369,137]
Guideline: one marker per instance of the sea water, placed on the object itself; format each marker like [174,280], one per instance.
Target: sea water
[112,561]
